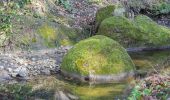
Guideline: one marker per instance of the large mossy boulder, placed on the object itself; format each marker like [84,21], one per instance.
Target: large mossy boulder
[142,31]
[98,57]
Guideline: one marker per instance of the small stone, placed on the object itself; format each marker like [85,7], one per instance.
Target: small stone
[33,59]
[46,72]
[9,69]
[1,67]
[4,76]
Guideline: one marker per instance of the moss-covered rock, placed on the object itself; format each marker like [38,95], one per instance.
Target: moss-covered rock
[143,31]
[57,36]
[152,32]
[104,13]
[98,55]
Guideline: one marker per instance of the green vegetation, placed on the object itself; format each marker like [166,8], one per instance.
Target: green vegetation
[99,55]
[140,32]
[153,7]
[154,87]
[8,18]
[22,3]
[6,25]
[162,8]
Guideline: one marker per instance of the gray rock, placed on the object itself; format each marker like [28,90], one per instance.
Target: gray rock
[4,76]
[21,72]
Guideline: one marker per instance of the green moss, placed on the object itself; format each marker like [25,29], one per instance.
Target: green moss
[34,40]
[119,29]
[67,36]
[104,13]
[48,33]
[140,32]
[152,32]
[97,55]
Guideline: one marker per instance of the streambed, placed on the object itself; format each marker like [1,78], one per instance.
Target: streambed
[58,87]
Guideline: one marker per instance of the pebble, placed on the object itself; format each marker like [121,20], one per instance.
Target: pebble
[1,67]
[4,76]
[9,70]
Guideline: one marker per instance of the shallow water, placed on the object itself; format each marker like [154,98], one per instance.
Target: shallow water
[56,88]
[149,60]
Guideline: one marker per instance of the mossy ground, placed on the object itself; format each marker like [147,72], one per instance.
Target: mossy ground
[140,32]
[35,33]
[97,55]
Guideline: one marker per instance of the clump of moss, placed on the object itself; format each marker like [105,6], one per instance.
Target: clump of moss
[67,36]
[48,33]
[104,13]
[141,32]
[56,36]
[98,55]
